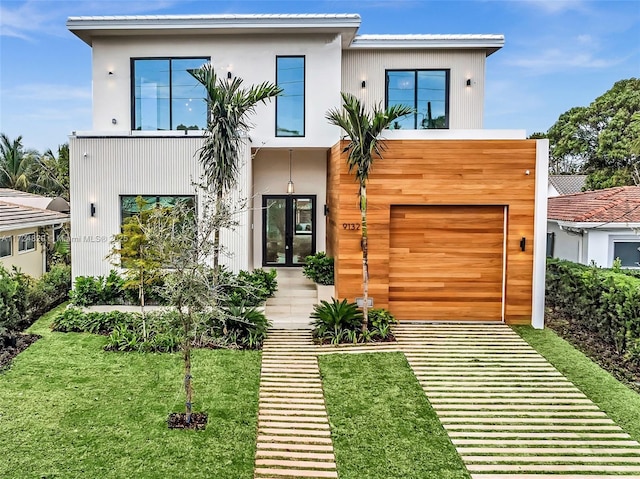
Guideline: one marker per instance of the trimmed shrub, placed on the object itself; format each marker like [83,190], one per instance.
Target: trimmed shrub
[603,302]
[77,321]
[319,268]
[49,291]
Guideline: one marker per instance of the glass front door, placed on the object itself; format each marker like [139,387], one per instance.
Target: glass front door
[289,229]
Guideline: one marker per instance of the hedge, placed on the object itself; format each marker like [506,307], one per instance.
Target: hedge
[603,302]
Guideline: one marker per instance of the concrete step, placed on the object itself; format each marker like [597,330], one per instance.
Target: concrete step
[291,301]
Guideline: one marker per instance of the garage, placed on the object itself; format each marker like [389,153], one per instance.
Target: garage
[447,262]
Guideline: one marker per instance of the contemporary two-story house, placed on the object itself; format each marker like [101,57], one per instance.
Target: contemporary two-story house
[456,212]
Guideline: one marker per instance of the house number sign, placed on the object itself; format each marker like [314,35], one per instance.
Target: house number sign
[351,226]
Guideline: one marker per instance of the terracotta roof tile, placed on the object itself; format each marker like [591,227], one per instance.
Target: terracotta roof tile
[611,205]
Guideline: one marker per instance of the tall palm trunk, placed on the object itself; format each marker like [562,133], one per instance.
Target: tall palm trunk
[216,232]
[365,257]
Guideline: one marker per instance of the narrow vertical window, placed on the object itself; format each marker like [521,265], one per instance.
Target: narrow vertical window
[290,103]
[426,91]
[166,96]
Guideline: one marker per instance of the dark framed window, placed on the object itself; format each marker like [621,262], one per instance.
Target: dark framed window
[551,243]
[628,252]
[290,73]
[6,246]
[26,242]
[426,91]
[165,96]
[130,206]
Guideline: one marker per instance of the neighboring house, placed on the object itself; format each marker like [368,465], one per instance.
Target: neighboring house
[596,226]
[565,184]
[27,222]
[456,213]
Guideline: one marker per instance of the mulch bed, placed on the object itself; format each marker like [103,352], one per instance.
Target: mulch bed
[597,350]
[178,420]
[7,353]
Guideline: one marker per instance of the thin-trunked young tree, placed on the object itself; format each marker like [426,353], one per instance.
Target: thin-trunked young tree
[183,244]
[229,107]
[363,129]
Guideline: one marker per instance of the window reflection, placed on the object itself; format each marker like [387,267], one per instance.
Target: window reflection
[424,90]
[290,103]
[166,96]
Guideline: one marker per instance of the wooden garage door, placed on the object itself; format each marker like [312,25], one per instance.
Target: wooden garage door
[446,262]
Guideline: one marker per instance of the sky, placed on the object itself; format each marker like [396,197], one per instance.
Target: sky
[558,53]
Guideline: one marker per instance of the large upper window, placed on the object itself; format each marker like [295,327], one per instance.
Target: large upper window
[6,246]
[166,96]
[426,91]
[290,103]
[628,252]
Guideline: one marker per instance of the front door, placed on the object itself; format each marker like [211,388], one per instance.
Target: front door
[289,229]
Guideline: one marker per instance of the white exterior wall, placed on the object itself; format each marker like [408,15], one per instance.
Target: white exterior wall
[102,169]
[594,245]
[270,177]
[465,103]
[567,246]
[251,57]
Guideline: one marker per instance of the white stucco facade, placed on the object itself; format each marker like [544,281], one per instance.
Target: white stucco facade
[115,160]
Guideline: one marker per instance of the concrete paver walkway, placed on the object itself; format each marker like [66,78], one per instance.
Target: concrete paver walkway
[509,413]
[294,439]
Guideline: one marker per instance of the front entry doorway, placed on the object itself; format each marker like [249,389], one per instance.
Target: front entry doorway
[288,229]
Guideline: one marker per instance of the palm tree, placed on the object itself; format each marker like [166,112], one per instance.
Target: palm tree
[53,172]
[363,130]
[229,106]
[16,165]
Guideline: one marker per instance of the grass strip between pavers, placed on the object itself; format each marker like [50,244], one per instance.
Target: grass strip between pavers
[70,409]
[381,422]
[618,401]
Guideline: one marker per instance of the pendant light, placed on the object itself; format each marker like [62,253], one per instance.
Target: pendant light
[290,189]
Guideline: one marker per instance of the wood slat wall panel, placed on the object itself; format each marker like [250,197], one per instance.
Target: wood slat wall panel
[446,256]
[435,172]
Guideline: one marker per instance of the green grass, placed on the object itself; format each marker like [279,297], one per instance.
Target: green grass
[619,402]
[68,409]
[382,424]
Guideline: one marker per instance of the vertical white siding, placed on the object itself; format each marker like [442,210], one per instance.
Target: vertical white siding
[465,103]
[102,169]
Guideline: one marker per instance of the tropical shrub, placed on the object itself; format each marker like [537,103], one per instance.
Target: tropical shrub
[49,291]
[78,321]
[332,321]
[13,292]
[319,268]
[246,326]
[24,299]
[380,321]
[604,303]
[92,290]
[251,288]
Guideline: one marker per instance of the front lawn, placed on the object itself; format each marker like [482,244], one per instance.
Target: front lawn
[381,422]
[619,402]
[70,409]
